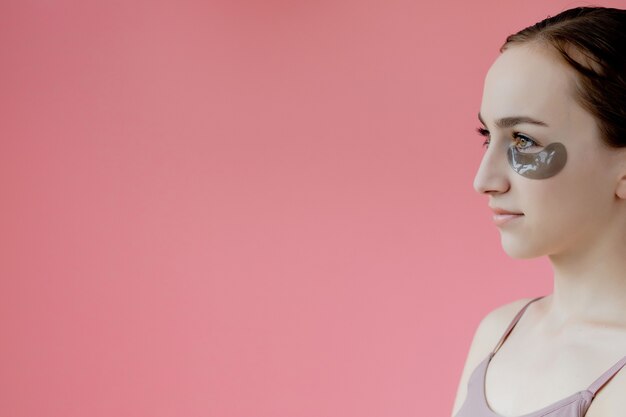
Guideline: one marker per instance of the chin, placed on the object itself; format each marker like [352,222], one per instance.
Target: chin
[520,250]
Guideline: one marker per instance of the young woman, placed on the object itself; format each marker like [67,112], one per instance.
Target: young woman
[553,115]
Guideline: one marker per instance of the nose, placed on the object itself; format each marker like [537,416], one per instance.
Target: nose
[493,173]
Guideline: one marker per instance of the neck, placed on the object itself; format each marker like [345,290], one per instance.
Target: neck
[590,284]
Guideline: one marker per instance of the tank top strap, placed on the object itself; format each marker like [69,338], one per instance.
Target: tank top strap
[513,323]
[605,377]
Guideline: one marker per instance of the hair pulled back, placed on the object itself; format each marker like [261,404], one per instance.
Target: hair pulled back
[592,40]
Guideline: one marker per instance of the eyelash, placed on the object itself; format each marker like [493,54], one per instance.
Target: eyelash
[485,133]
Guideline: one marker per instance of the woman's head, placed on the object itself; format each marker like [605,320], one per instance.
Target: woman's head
[592,40]
[547,99]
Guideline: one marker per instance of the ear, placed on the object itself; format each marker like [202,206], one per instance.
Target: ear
[620,186]
[620,190]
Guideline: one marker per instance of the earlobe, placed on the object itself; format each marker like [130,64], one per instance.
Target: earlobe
[620,190]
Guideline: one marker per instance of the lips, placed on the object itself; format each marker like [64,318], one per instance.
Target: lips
[498,210]
[502,215]
[500,219]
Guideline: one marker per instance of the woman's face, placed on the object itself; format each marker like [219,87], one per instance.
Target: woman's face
[567,201]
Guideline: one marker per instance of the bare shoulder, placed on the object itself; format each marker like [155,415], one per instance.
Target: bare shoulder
[610,400]
[487,334]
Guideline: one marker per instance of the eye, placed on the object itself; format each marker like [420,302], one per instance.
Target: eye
[523,142]
[485,133]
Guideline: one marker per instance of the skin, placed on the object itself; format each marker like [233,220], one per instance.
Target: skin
[576,217]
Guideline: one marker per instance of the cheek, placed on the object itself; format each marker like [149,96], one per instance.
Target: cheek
[587,175]
[572,194]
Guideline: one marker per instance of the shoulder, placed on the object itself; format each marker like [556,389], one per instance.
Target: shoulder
[610,399]
[495,322]
[491,328]
[486,335]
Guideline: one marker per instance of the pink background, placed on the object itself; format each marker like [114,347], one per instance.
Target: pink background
[247,208]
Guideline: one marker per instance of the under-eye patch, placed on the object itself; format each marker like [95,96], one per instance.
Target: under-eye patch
[538,165]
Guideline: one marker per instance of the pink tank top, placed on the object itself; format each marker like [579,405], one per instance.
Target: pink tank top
[575,405]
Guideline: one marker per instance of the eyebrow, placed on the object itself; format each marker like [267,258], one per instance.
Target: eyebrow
[515,120]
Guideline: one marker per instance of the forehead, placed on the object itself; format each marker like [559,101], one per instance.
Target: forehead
[529,80]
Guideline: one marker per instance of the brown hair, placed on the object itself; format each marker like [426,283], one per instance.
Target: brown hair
[596,36]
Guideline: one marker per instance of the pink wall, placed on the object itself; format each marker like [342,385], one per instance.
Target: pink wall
[246,208]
